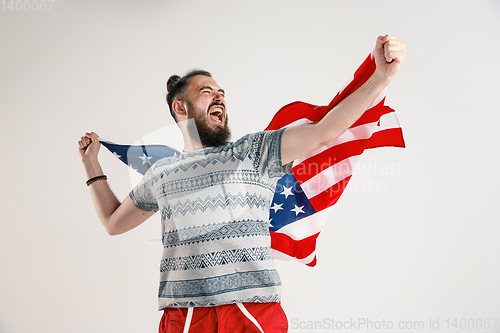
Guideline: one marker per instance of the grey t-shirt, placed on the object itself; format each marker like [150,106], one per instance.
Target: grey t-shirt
[214,205]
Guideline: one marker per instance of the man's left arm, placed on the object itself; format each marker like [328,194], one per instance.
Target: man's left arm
[300,140]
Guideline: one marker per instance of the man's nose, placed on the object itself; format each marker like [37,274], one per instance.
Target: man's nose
[218,96]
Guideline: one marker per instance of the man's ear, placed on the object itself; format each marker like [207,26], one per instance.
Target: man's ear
[180,107]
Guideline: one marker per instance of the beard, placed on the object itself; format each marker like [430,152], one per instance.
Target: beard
[208,136]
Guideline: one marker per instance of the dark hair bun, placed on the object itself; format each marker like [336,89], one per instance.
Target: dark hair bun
[172,80]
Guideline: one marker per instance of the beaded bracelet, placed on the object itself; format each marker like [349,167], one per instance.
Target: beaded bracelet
[91,180]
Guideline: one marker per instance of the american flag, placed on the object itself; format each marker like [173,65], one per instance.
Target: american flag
[304,196]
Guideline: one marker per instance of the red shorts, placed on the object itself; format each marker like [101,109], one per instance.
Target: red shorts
[233,318]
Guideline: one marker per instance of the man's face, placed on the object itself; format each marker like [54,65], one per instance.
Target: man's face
[207,106]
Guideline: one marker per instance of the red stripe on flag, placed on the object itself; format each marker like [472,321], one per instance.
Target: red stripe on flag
[312,263]
[390,137]
[329,196]
[295,111]
[373,114]
[324,160]
[299,249]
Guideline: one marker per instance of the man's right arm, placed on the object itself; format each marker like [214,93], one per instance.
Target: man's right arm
[116,217]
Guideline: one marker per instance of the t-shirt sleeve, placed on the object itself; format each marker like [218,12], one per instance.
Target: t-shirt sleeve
[265,152]
[142,194]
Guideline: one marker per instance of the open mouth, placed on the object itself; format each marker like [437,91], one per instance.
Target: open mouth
[216,114]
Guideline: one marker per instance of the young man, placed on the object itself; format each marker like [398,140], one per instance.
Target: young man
[217,272]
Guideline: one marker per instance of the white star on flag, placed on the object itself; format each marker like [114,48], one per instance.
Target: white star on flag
[287,191]
[277,207]
[116,155]
[270,225]
[145,159]
[297,210]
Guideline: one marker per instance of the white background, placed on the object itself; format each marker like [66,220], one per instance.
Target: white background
[414,238]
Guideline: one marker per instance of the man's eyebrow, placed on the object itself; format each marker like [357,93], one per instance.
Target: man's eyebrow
[210,88]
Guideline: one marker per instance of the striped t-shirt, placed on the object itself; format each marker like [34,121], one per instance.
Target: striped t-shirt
[214,204]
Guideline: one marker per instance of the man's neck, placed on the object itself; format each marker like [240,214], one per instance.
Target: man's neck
[191,144]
